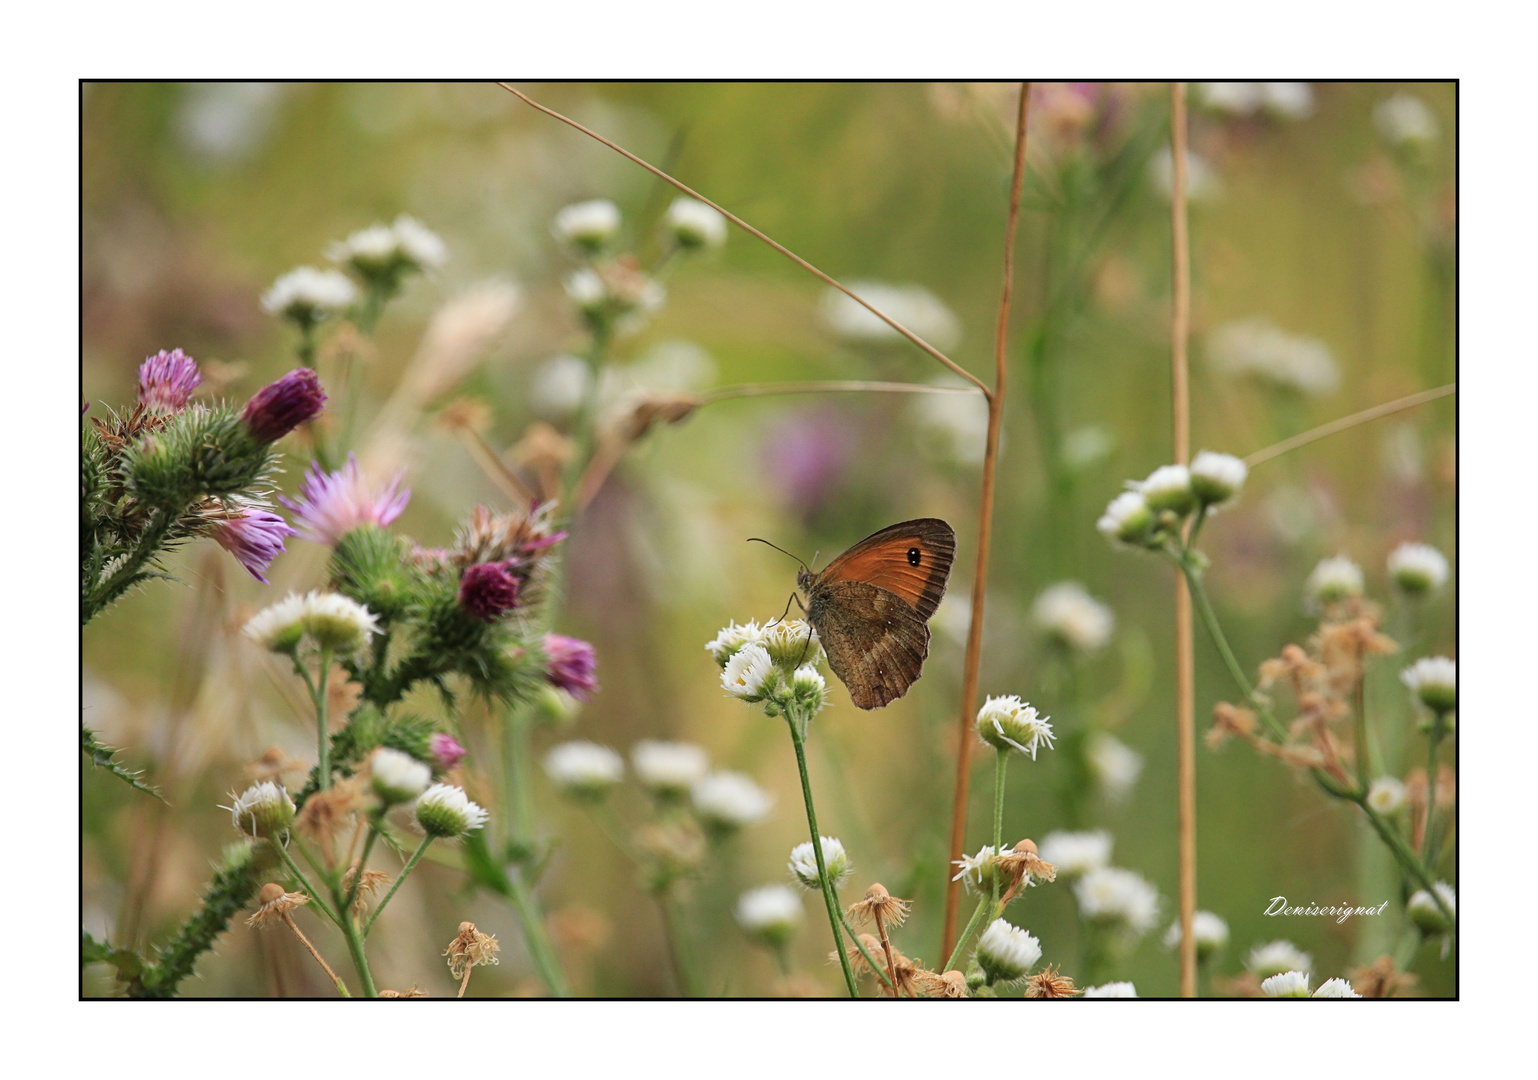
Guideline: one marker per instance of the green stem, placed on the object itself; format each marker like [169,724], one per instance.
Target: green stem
[678,945]
[359,957]
[311,890]
[410,865]
[323,736]
[878,968]
[983,905]
[1431,841]
[795,722]
[1406,858]
[540,949]
[154,532]
[585,425]
[998,821]
[368,845]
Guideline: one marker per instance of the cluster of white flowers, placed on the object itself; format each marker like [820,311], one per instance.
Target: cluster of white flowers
[1275,957]
[1434,680]
[1152,509]
[307,295]
[1113,764]
[445,811]
[769,914]
[623,294]
[727,801]
[1077,853]
[1007,723]
[692,225]
[1111,894]
[1284,100]
[1257,348]
[768,661]
[397,777]
[587,226]
[1209,930]
[584,770]
[911,305]
[1006,952]
[1068,614]
[668,769]
[803,863]
[1405,120]
[1333,580]
[1418,569]
[1111,990]
[332,621]
[383,249]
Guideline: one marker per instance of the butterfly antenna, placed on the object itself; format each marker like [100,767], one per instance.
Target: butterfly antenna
[782,551]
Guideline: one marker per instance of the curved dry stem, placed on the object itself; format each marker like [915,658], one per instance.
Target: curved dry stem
[735,220]
[831,386]
[1346,423]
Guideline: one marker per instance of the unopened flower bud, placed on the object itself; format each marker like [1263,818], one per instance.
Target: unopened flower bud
[398,777]
[280,407]
[1128,519]
[445,811]
[803,863]
[263,810]
[587,226]
[1216,478]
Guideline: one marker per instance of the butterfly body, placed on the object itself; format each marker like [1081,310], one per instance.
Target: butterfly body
[871,605]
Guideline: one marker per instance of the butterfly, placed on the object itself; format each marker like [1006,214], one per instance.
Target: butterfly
[871,605]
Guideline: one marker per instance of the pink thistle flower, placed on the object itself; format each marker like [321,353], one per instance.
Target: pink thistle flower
[279,408]
[571,665]
[488,591]
[331,505]
[254,535]
[167,380]
[446,750]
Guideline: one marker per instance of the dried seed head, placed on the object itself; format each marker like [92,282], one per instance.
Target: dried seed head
[372,879]
[857,959]
[469,948]
[879,903]
[274,905]
[412,993]
[1049,984]
[326,812]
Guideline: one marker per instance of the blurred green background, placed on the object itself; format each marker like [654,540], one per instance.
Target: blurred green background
[195,197]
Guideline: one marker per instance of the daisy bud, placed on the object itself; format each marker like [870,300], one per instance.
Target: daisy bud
[446,750]
[668,769]
[769,915]
[398,777]
[1077,853]
[1335,988]
[1275,957]
[1425,913]
[1216,478]
[1386,795]
[589,226]
[1209,930]
[167,380]
[1289,984]
[280,407]
[1128,519]
[726,801]
[809,687]
[1006,953]
[1418,569]
[338,622]
[1007,723]
[1169,488]
[584,770]
[803,863]
[692,225]
[1111,990]
[445,811]
[1334,580]
[749,674]
[1433,679]
[726,644]
[279,627]
[263,810]
[791,643]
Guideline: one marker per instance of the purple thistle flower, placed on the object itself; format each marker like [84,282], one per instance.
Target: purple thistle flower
[571,665]
[275,410]
[446,750]
[254,536]
[331,505]
[167,380]
[488,591]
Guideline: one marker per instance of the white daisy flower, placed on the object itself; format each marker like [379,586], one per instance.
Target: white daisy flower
[1068,614]
[1289,984]
[1209,930]
[803,863]
[1216,478]
[1278,956]
[733,637]
[1386,795]
[1077,853]
[1169,488]
[1433,679]
[1006,952]
[1425,913]
[1111,990]
[729,800]
[1335,988]
[280,626]
[1257,348]
[306,294]
[588,226]
[1334,580]
[1007,723]
[770,914]
[1417,569]
[668,769]
[1113,764]
[693,225]
[584,770]
[1119,896]
[1128,519]
[445,811]
[1405,120]
[397,777]
[749,673]
[263,810]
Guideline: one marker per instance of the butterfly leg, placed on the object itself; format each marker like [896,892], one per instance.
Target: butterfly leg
[794,599]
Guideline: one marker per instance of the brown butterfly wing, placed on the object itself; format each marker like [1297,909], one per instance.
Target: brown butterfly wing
[875,640]
[911,559]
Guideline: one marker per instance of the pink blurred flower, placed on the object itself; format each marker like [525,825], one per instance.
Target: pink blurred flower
[446,750]
[331,505]
[167,380]
[488,591]
[572,665]
[254,536]
[280,407]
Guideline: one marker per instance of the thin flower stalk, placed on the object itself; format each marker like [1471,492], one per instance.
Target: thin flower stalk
[416,857]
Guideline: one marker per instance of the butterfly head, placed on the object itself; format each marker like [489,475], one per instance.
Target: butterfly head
[804,579]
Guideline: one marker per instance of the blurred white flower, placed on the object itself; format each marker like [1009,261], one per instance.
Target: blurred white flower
[911,305]
[1335,988]
[1386,795]
[398,777]
[1275,957]
[559,386]
[1127,519]
[1209,930]
[307,294]
[1433,679]
[1417,569]
[588,226]
[583,769]
[1216,478]
[1237,98]
[1169,488]
[1333,580]
[1111,894]
[1289,984]
[1077,853]
[730,800]
[668,768]
[1287,100]
[1405,119]
[693,225]
[1257,348]
[230,121]
[1111,990]
[952,427]
[976,871]
[1086,446]
[1068,614]
[803,863]
[770,914]
[1202,182]
[1425,913]
[1114,765]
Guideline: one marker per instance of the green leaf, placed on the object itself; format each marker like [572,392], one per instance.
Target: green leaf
[103,758]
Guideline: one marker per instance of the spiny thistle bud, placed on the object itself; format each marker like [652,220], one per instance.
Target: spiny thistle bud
[809,687]
[370,565]
[1216,478]
[770,915]
[571,664]
[668,769]
[803,863]
[262,811]
[1424,912]
[1434,680]
[445,811]
[1418,569]
[749,674]
[398,777]
[584,770]
[167,380]
[588,227]
[726,801]
[1289,984]
[488,591]
[1006,952]
[159,474]
[1007,723]
[280,407]
[1169,488]
[1128,520]
[692,225]
[727,643]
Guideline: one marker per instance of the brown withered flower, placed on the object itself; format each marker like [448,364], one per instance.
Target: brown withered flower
[1381,979]
[1049,984]
[949,984]
[879,906]
[274,906]
[412,993]
[469,949]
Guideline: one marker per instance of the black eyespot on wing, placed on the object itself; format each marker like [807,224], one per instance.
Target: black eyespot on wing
[913,556]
